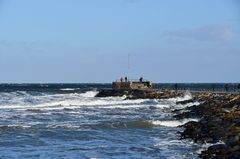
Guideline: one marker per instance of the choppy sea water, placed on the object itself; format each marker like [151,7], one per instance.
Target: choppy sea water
[73,123]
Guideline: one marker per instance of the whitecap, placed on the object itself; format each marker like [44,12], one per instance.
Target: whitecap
[89,94]
[67,89]
[172,123]
[187,96]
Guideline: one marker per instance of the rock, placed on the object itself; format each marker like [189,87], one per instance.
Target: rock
[185,101]
[139,93]
[215,151]
[234,155]
[220,121]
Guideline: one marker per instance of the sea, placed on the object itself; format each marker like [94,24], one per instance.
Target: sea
[67,121]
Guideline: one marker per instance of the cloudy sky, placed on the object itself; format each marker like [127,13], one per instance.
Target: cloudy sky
[75,41]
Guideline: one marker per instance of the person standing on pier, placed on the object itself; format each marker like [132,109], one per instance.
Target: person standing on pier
[176,86]
[121,79]
[226,87]
[126,79]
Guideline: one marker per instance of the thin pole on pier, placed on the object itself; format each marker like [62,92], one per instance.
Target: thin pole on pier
[128,61]
[128,65]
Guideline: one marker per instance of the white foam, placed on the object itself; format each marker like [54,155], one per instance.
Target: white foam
[23,100]
[182,106]
[89,94]
[168,147]
[69,126]
[205,146]
[172,123]
[67,89]
[162,106]
[16,125]
[72,100]
[187,96]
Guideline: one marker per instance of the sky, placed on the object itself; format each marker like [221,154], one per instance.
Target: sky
[98,41]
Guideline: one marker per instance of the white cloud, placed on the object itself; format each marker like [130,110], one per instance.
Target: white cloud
[207,33]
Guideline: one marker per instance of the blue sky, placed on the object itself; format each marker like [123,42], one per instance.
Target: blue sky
[79,41]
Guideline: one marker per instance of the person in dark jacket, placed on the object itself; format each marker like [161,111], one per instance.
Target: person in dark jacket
[176,86]
[226,87]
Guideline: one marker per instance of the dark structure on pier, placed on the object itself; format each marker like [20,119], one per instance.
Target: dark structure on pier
[131,85]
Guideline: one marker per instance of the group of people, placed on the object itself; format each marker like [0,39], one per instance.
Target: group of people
[126,79]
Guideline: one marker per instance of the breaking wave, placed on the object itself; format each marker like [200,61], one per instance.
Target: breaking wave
[24,100]
[187,96]
[89,94]
[104,125]
[67,89]
[173,123]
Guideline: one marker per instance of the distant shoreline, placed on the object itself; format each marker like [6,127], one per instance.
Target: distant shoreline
[212,87]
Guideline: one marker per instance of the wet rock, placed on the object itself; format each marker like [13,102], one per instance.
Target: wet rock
[220,121]
[215,151]
[234,155]
[139,93]
[111,93]
[185,101]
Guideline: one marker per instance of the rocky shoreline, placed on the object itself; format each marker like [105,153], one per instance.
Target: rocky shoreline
[219,115]
[219,122]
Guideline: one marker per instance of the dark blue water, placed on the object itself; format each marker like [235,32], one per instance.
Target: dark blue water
[67,121]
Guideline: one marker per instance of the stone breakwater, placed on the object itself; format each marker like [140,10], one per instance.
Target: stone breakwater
[219,115]
[140,93]
[219,122]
